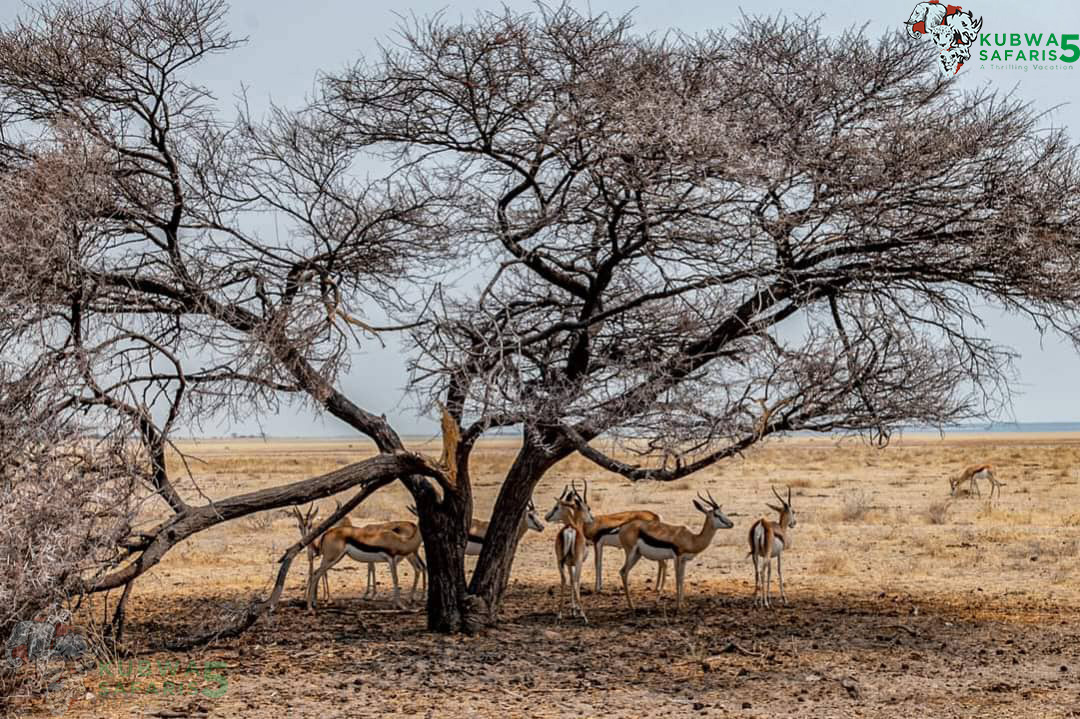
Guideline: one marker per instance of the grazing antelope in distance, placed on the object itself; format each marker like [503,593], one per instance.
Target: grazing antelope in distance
[603,531]
[659,541]
[478,529]
[768,540]
[970,474]
[571,546]
[375,543]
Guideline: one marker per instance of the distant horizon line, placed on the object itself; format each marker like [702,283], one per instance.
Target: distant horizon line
[1040,426]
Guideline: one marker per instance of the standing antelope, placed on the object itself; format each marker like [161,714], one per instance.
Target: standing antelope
[405,529]
[478,529]
[658,541]
[603,531]
[768,540]
[306,522]
[970,474]
[571,546]
[371,544]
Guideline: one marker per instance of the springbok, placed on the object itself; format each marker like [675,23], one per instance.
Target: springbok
[603,531]
[659,541]
[972,473]
[768,540]
[478,529]
[405,529]
[371,544]
[571,546]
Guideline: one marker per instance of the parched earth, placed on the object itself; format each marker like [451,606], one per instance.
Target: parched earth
[839,655]
[904,602]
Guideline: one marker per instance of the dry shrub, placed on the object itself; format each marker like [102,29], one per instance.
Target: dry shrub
[855,506]
[67,502]
[938,512]
[259,522]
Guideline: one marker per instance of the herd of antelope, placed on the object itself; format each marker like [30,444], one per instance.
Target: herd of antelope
[640,534]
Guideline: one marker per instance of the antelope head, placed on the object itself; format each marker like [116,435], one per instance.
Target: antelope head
[784,509]
[711,508]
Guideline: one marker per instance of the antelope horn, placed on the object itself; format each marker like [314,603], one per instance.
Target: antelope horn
[565,488]
[778,496]
[714,502]
[586,497]
[789,496]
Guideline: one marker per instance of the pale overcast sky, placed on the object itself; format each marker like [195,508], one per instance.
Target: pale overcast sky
[289,42]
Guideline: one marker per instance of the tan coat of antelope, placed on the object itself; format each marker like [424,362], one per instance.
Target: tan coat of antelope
[603,531]
[658,541]
[388,542]
[768,540]
[571,547]
[973,473]
[405,529]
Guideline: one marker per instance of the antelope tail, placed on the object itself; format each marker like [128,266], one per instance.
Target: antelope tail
[758,543]
[569,536]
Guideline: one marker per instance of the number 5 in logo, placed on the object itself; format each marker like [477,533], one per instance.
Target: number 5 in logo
[1069,42]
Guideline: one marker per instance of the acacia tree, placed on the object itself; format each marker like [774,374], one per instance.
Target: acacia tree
[138,278]
[685,244]
[679,245]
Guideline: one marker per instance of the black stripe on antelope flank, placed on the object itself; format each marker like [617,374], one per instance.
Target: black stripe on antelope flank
[476,539]
[610,530]
[658,543]
[362,547]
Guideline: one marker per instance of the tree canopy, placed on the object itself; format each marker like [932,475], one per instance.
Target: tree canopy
[680,243]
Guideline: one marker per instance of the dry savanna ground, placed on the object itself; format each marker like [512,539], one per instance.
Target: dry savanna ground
[902,603]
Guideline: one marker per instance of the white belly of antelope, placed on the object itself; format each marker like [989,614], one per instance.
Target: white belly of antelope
[657,554]
[367,556]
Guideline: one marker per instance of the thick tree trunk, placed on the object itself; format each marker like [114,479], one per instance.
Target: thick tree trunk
[493,569]
[445,527]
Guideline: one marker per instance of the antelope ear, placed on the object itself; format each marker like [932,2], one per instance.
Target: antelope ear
[773,507]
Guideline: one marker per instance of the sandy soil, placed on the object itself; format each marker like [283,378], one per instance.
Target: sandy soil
[902,603]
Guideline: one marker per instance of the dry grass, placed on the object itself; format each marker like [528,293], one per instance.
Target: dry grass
[956,578]
[938,512]
[830,564]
